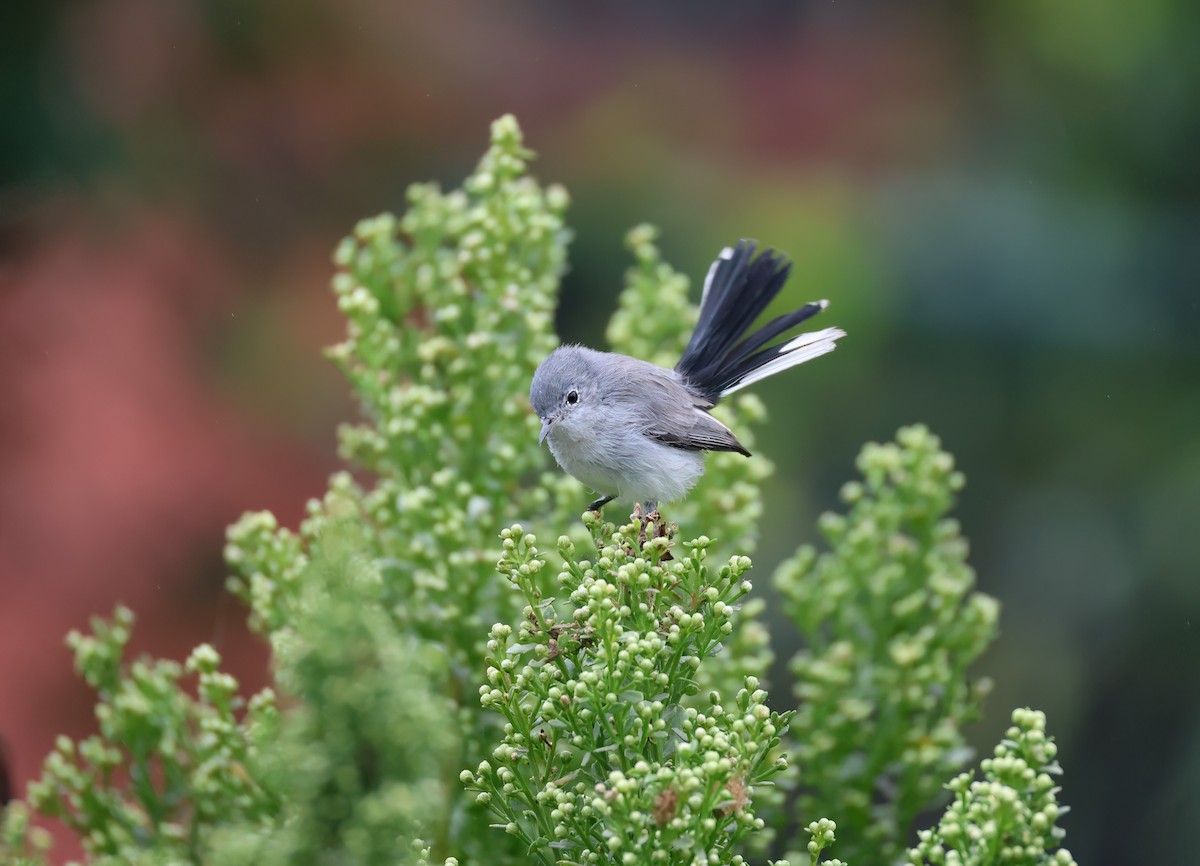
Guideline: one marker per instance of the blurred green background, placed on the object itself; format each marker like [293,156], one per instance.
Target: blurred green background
[1000,198]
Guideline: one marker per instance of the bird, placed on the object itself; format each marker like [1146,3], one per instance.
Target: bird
[637,432]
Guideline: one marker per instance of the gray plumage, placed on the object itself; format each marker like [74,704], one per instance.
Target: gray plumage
[636,431]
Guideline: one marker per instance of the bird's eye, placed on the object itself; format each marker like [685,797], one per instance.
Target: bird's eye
[572,396]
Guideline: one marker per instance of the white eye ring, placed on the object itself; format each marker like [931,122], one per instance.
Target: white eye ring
[572,396]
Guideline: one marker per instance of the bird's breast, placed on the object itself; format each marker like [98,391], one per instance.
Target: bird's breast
[620,459]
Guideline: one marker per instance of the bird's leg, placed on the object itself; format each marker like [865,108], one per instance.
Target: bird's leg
[600,503]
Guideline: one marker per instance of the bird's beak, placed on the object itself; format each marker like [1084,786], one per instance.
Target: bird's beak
[547,423]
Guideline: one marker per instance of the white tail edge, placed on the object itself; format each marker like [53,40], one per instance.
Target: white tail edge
[799,349]
[725,255]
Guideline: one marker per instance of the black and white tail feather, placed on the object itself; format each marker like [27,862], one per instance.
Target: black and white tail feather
[736,291]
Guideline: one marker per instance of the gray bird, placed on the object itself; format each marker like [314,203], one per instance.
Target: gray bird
[635,431]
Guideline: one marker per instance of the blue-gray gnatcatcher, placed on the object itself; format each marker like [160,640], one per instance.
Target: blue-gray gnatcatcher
[635,431]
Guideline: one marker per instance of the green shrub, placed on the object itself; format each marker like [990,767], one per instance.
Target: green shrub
[598,703]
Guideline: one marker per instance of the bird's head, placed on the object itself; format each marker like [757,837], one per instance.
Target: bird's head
[563,388]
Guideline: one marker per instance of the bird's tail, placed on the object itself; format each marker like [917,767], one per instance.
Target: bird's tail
[736,291]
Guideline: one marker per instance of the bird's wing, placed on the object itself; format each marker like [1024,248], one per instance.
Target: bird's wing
[693,429]
[655,402]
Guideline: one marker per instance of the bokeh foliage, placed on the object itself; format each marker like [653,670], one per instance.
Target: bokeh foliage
[1009,816]
[626,724]
[890,626]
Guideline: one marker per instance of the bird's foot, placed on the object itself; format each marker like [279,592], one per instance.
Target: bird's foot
[662,529]
[647,514]
[637,518]
[600,503]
